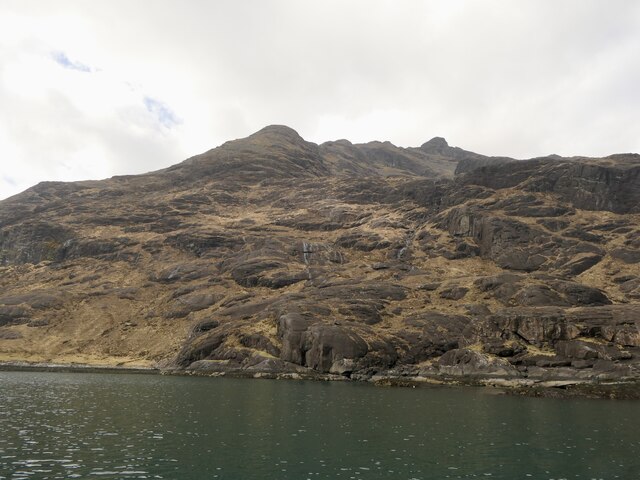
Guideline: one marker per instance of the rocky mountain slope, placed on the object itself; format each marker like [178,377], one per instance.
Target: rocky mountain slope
[272,255]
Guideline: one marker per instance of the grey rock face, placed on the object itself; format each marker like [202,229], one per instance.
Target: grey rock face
[292,328]
[33,242]
[333,349]
[587,185]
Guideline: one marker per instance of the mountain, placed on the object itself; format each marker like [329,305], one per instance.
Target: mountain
[275,256]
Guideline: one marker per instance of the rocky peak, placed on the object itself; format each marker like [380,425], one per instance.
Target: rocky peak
[280,134]
[435,145]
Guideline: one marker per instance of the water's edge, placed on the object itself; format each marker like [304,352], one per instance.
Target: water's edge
[623,390]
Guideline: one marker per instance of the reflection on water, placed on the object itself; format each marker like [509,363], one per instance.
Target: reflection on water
[55,425]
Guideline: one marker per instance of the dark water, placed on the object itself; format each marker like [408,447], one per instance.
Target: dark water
[55,425]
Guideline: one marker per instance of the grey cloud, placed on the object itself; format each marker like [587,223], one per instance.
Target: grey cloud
[522,78]
[56,129]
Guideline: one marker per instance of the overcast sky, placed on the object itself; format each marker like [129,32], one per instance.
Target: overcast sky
[91,89]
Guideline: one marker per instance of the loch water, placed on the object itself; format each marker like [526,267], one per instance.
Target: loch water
[81,425]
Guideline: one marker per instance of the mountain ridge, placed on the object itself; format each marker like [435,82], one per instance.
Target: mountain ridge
[272,255]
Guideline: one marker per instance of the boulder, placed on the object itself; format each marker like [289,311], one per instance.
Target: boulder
[292,328]
[204,326]
[578,294]
[539,295]
[202,347]
[332,348]
[581,263]
[191,302]
[455,292]
[268,365]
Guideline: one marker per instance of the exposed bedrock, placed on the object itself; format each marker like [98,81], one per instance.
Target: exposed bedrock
[515,245]
[613,186]
[33,242]
[271,254]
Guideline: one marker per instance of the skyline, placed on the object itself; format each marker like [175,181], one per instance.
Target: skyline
[92,91]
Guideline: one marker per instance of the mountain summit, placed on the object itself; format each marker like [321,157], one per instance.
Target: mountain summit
[435,145]
[270,255]
[278,133]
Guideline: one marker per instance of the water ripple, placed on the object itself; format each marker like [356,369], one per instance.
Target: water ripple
[58,426]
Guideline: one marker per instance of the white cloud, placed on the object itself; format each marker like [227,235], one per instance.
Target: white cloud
[93,89]
[65,118]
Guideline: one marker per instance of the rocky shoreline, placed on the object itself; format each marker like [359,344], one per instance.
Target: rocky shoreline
[72,368]
[625,389]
